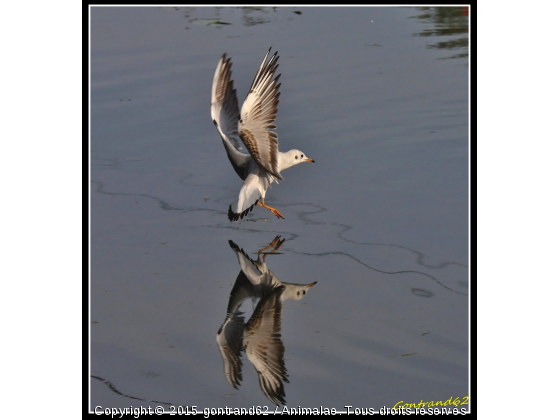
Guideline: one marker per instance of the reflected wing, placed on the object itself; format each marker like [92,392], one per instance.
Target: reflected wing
[224,108]
[242,290]
[230,343]
[258,115]
[264,346]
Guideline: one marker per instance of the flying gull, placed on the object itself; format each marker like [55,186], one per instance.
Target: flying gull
[254,125]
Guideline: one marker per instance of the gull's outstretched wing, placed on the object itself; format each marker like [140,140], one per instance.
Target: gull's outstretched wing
[230,343]
[258,115]
[264,346]
[225,114]
[224,108]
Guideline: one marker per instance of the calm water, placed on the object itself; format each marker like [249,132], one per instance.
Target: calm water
[378,97]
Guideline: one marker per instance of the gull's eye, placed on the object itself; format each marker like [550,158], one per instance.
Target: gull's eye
[302,156]
[303,292]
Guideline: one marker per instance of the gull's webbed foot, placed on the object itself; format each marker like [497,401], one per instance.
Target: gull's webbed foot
[272,209]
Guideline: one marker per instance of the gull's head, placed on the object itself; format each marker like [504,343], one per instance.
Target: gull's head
[296,291]
[298,156]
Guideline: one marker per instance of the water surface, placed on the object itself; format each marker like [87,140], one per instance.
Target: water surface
[378,97]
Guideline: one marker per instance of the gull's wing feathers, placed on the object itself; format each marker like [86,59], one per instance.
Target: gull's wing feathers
[225,114]
[258,115]
[224,108]
[242,290]
[230,343]
[264,346]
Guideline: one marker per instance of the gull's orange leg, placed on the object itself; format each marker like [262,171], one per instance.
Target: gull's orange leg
[273,243]
[272,209]
[277,243]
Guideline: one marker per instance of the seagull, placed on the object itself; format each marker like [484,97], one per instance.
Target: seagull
[264,162]
[260,337]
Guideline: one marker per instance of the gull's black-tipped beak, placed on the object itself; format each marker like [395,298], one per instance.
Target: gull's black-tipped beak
[309,160]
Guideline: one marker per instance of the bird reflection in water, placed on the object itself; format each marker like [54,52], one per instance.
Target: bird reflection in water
[260,337]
